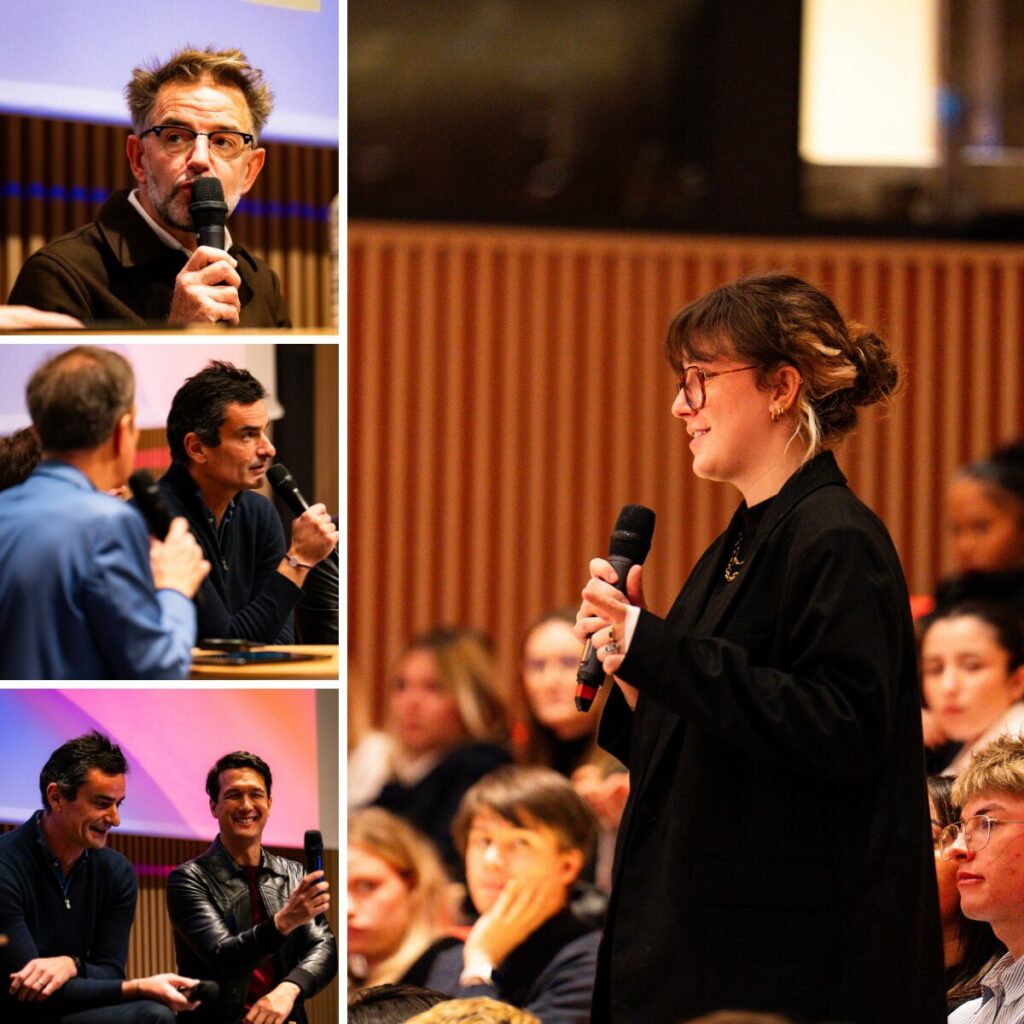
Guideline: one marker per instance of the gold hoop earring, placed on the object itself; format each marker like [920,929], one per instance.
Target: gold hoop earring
[776,412]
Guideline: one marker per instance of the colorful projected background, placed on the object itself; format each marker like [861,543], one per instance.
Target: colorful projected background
[170,738]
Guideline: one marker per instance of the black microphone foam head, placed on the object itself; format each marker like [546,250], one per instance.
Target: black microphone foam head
[633,532]
[313,840]
[203,991]
[279,476]
[207,205]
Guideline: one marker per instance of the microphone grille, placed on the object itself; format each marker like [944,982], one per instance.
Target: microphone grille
[277,475]
[207,206]
[207,189]
[634,530]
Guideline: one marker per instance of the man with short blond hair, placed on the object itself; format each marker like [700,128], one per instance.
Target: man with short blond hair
[988,846]
[197,115]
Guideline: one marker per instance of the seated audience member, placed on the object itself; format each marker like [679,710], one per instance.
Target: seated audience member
[84,590]
[448,728]
[244,917]
[198,115]
[477,1010]
[525,835]
[67,903]
[390,1004]
[25,318]
[559,736]
[972,669]
[986,517]
[987,845]
[217,432]
[970,948]
[19,455]
[400,910]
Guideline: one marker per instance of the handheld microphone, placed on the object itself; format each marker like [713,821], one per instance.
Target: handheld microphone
[631,540]
[202,991]
[209,211]
[313,843]
[288,491]
[151,503]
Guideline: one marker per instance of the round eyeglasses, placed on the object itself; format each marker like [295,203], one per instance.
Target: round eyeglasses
[177,141]
[692,384]
[977,830]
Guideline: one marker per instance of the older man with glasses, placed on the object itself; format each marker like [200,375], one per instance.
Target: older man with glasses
[988,846]
[198,115]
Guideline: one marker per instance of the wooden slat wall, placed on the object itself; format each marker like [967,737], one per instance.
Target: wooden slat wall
[151,948]
[56,175]
[508,393]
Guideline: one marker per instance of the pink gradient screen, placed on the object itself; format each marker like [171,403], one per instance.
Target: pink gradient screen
[171,738]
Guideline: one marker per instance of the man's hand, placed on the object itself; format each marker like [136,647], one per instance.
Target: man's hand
[309,899]
[177,561]
[274,1007]
[206,289]
[41,977]
[164,988]
[523,905]
[314,536]
[25,318]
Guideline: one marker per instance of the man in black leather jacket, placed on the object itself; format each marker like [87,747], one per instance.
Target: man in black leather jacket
[243,917]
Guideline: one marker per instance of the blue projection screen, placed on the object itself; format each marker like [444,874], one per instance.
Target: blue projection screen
[70,59]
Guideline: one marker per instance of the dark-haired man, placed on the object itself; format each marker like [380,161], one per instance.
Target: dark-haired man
[217,432]
[197,115]
[244,917]
[84,592]
[67,903]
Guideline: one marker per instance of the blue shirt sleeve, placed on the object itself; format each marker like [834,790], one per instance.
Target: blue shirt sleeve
[141,633]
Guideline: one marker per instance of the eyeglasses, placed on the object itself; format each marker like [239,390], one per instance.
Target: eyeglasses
[177,141]
[977,830]
[693,380]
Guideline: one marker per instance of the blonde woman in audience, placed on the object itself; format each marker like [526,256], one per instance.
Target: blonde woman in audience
[972,669]
[447,727]
[479,1010]
[399,902]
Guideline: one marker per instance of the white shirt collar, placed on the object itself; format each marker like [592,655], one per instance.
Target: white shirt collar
[165,236]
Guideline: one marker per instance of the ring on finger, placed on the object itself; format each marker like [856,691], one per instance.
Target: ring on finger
[611,648]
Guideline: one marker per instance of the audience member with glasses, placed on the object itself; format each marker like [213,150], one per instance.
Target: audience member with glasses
[969,947]
[987,845]
[198,115]
[773,853]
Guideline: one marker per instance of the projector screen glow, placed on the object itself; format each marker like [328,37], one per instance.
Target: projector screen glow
[171,738]
[71,59]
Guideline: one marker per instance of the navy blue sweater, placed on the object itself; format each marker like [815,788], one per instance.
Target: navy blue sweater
[244,595]
[91,920]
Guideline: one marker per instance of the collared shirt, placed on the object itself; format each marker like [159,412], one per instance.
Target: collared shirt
[77,599]
[1002,996]
[65,880]
[165,236]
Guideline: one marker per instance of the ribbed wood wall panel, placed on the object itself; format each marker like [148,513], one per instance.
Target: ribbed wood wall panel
[508,394]
[151,948]
[56,175]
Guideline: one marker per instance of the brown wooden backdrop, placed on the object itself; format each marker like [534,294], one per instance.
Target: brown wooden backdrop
[54,176]
[151,948]
[508,394]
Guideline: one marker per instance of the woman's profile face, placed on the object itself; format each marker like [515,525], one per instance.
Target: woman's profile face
[727,435]
[966,674]
[551,658]
[987,535]
[425,715]
[945,872]
[379,905]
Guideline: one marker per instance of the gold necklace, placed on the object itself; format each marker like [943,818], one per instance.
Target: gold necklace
[732,567]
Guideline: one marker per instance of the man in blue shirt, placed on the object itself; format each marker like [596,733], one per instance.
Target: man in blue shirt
[67,903]
[217,432]
[84,592]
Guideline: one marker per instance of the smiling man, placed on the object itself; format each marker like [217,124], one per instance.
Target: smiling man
[200,114]
[246,918]
[67,903]
[217,432]
[988,847]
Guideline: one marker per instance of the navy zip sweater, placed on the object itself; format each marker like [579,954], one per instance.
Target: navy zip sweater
[88,917]
[244,595]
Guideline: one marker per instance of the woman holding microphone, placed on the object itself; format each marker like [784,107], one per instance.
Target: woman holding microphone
[773,853]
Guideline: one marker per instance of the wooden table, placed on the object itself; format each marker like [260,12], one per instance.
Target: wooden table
[319,669]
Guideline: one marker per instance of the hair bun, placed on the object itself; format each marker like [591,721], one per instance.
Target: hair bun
[878,376]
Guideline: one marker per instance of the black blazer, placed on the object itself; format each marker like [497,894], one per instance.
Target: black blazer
[775,852]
